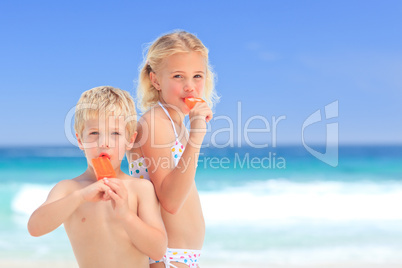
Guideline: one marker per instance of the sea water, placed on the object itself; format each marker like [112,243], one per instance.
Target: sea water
[272,206]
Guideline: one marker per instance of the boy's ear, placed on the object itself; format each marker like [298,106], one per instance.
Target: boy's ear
[154,80]
[79,142]
[130,144]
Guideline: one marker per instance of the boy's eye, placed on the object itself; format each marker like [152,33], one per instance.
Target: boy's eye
[177,76]
[116,133]
[94,133]
[198,76]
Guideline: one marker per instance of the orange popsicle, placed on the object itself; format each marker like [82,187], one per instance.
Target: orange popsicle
[190,102]
[103,167]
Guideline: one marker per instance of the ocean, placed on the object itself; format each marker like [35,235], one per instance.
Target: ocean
[269,207]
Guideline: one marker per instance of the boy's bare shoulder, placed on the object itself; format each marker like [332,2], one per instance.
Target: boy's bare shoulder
[65,187]
[138,185]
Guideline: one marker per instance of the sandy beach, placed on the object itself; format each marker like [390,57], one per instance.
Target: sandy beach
[73,264]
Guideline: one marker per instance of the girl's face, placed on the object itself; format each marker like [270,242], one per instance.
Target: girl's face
[180,76]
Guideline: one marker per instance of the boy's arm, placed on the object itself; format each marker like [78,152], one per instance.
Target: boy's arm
[65,197]
[146,230]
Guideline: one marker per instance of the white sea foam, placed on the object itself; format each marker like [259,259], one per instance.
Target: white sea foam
[29,198]
[232,213]
[260,202]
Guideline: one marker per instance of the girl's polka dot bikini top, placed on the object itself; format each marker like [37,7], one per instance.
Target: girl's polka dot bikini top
[137,168]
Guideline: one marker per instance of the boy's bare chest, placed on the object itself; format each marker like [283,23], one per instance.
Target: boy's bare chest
[97,217]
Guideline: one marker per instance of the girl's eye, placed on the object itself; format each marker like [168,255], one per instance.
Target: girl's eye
[177,76]
[94,133]
[116,133]
[198,76]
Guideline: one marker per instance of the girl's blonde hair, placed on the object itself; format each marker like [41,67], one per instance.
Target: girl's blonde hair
[105,101]
[163,47]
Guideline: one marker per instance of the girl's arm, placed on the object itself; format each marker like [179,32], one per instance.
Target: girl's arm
[173,184]
[145,228]
[65,197]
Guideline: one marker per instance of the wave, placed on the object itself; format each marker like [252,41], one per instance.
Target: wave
[261,203]
[29,198]
[258,203]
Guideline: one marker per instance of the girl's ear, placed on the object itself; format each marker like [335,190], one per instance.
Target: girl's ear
[154,80]
[79,142]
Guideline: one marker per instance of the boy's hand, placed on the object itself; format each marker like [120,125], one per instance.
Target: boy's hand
[96,192]
[119,196]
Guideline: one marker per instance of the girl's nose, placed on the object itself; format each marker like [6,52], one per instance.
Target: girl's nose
[189,86]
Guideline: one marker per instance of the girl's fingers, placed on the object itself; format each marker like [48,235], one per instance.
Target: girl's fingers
[204,110]
[209,116]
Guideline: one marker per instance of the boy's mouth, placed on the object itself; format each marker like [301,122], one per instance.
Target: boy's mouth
[104,155]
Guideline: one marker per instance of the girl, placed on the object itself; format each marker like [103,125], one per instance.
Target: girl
[176,67]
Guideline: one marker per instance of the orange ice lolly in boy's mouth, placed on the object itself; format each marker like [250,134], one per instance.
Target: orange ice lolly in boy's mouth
[103,167]
[191,101]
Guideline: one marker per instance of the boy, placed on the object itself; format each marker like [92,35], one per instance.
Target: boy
[110,222]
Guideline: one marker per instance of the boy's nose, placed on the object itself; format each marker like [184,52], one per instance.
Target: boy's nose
[104,142]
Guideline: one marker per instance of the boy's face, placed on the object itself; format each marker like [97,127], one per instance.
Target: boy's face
[105,135]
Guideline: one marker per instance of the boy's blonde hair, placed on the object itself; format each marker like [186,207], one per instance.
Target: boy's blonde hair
[105,101]
[163,47]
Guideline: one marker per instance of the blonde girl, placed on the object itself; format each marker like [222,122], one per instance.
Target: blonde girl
[175,67]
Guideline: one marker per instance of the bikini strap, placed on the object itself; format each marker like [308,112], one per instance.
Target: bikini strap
[167,113]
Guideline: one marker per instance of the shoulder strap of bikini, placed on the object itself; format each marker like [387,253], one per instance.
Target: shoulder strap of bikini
[167,113]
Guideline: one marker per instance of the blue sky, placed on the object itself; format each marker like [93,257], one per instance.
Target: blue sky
[276,58]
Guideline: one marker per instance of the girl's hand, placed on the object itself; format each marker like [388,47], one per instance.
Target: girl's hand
[119,196]
[199,116]
[95,192]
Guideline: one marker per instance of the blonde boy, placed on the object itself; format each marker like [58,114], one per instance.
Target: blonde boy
[111,222]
